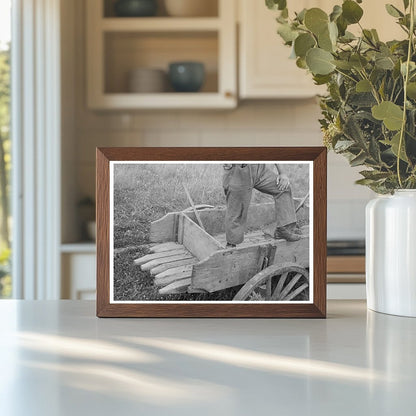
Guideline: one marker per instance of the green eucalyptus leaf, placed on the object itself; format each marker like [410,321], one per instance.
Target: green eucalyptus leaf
[325,42]
[388,112]
[347,37]
[358,160]
[333,32]
[393,11]
[301,63]
[394,145]
[276,4]
[353,131]
[411,90]
[316,20]
[358,61]
[374,174]
[343,145]
[363,86]
[281,19]
[368,36]
[342,25]
[406,4]
[303,43]
[351,11]
[412,68]
[375,35]
[374,150]
[301,15]
[384,62]
[321,79]
[336,12]
[287,33]
[344,65]
[320,61]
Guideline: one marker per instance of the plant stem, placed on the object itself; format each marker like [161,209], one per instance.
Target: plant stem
[406,80]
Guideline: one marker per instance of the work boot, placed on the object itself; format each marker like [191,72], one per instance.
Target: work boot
[286,233]
[229,245]
[294,228]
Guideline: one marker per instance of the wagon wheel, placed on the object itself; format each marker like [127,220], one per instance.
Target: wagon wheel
[277,282]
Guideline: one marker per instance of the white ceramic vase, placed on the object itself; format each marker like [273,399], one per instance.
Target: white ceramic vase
[391,253]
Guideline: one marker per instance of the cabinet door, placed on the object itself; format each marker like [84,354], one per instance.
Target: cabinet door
[78,276]
[265,68]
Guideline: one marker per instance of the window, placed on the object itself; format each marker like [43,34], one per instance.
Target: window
[5,147]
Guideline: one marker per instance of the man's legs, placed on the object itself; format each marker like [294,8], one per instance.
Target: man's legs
[238,202]
[237,183]
[266,182]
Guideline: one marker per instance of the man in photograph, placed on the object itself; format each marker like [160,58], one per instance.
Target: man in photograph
[239,181]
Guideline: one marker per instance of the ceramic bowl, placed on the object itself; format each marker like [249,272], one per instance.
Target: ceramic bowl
[135,8]
[186,76]
[147,80]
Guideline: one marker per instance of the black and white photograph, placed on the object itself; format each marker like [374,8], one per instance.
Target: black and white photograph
[211,232]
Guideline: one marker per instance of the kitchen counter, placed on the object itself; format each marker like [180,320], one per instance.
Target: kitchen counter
[57,358]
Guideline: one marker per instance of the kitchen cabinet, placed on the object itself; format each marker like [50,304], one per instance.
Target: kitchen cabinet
[265,69]
[78,263]
[118,45]
[264,65]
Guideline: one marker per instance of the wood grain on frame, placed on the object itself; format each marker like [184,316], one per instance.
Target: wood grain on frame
[317,309]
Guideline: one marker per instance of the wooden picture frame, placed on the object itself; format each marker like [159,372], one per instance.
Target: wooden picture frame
[314,307]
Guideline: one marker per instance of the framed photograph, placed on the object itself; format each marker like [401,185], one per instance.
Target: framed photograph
[211,232]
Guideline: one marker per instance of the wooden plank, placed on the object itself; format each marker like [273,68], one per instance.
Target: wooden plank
[174,271]
[292,252]
[196,240]
[346,264]
[157,262]
[176,288]
[164,230]
[159,248]
[228,268]
[163,267]
[164,254]
[171,275]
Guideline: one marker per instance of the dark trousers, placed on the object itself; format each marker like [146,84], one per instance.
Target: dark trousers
[239,182]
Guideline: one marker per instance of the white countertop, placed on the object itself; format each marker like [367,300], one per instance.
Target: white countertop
[56,358]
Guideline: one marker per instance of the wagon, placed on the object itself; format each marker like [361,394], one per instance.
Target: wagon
[188,254]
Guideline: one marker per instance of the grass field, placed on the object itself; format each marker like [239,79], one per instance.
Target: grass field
[144,193]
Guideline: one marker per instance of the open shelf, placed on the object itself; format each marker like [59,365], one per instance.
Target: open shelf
[126,51]
[210,6]
[160,24]
[119,45]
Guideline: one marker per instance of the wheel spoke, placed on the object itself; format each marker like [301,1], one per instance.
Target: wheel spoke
[290,285]
[296,292]
[270,283]
[269,289]
[281,282]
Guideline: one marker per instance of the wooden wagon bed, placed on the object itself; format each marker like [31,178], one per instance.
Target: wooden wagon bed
[188,258]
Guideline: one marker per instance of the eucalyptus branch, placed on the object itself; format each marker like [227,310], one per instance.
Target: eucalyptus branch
[406,80]
[346,75]
[373,88]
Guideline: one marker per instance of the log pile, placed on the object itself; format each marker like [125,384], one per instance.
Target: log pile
[171,265]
